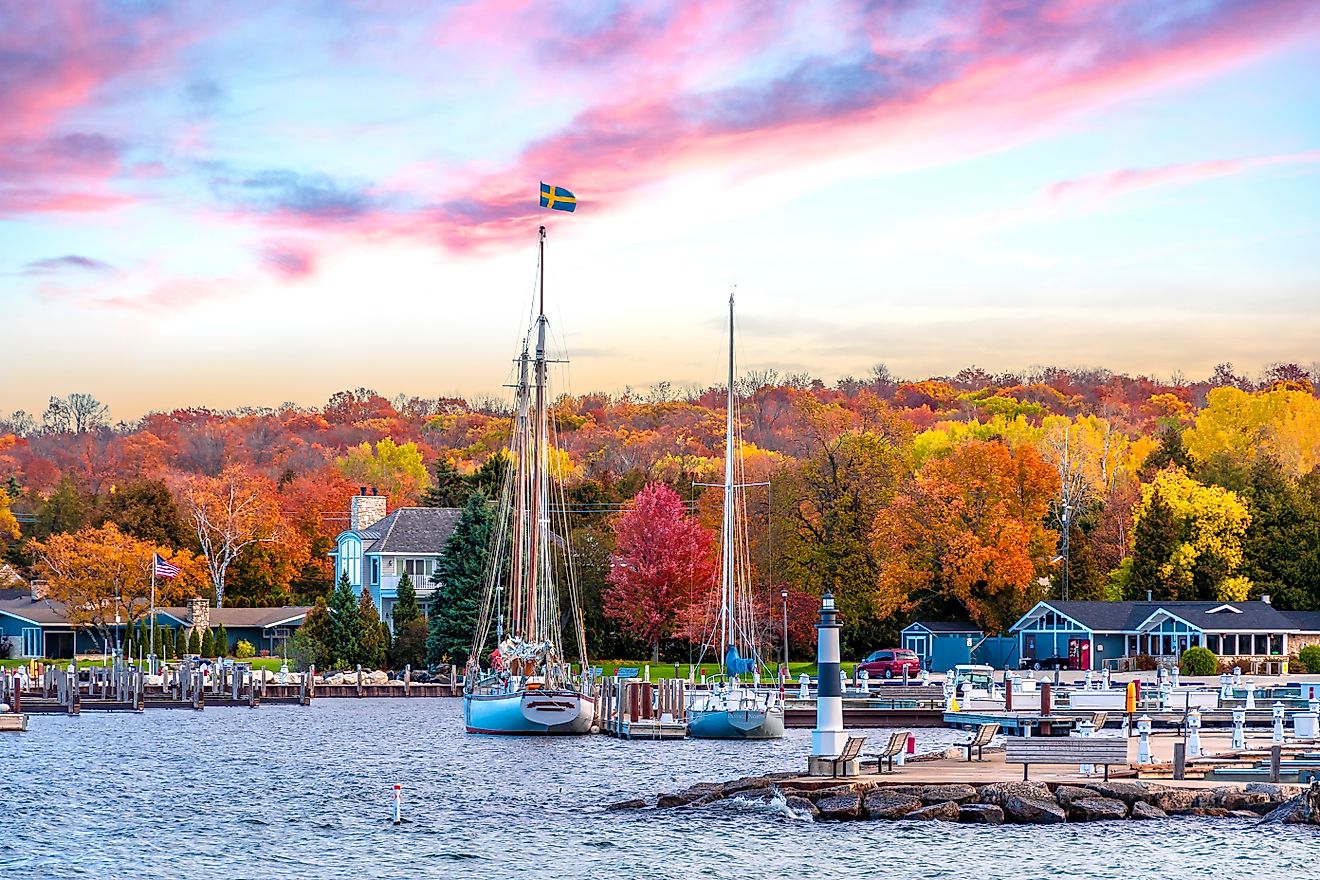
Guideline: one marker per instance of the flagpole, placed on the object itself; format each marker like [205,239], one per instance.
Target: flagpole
[152,654]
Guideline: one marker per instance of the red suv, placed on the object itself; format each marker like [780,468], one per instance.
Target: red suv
[890,663]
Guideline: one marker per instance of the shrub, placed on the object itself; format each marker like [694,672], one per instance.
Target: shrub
[1309,657]
[221,641]
[180,643]
[1198,661]
[243,650]
[1144,663]
[207,648]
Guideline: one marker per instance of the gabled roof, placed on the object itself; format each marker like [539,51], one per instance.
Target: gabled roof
[945,626]
[9,578]
[1305,621]
[284,615]
[39,612]
[1207,616]
[420,530]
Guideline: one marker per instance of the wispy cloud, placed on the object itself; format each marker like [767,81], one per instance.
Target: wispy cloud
[69,262]
[1127,180]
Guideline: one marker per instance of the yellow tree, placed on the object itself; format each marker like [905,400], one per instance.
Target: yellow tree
[1188,541]
[1281,424]
[229,513]
[103,576]
[396,468]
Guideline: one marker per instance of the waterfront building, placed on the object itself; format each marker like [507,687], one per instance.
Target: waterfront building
[378,548]
[1093,635]
[31,626]
[941,644]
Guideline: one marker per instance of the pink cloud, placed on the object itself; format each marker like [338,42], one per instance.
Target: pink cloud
[1127,180]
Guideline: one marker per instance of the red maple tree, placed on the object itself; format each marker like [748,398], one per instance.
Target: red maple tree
[664,563]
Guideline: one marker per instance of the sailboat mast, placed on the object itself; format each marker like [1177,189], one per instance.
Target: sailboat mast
[538,439]
[727,536]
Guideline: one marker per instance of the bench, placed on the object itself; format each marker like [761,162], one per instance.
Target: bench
[1104,750]
[980,739]
[627,672]
[897,742]
[851,749]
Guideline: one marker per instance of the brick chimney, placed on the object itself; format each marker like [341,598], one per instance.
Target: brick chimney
[366,510]
[199,614]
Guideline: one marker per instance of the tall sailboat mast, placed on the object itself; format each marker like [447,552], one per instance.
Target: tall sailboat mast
[538,468]
[728,634]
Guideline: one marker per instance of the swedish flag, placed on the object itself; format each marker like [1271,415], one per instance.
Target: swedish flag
[557,198]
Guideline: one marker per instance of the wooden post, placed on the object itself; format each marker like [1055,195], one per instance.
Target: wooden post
[18,696]
[1276,754]
[75,697]
[359,679]
[140,700]
[199,691]
[1179,760]
[407,680]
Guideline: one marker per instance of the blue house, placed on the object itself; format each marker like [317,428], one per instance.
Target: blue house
[1092,635]
[36,628]
[941,644]
[378,549]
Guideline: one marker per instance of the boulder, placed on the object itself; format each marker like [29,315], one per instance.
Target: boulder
[999,793]
[1033,811]
[374,677]
[840,808]
[1215,812]
[1276,792]
[945,812]
[707,790]
[1130,793]
[801,805]
[938,794]
[1066,794]
[746,783]
[395,682]
[1143,810]
[1096,809]
[833,791]
[887,805]
[1242,814]
[1171,800]
[980,814]
[634,804]
[1238,799]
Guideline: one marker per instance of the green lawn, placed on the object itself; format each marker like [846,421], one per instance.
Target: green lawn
[666,670]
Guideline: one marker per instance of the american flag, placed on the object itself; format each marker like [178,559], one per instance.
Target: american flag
[164,569]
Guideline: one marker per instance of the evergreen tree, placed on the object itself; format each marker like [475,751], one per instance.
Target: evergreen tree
[405,606]
[195,641]
[1170,451]
[459,579]
[374,640]
[409,646]
[208,643]
[221,641]
[1154,539]
[310,643]
[449,488]
[180,642]
[345,639]
[1281,551]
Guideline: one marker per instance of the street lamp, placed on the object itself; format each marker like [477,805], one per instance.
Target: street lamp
[783,597]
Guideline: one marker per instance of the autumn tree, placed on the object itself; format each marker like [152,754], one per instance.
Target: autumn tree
[395,468]
[828,505]
[230,513]
[1187,542]
[102,575]
[1281,424]
[664,560]
[968,534]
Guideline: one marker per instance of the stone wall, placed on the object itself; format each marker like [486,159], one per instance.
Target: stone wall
[199,614]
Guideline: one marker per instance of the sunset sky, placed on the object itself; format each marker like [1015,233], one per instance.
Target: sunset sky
[245,203]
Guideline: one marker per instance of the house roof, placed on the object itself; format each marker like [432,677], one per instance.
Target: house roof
[1128,616]
[246,617]
[40,611]
[946,626]
[10,578]
[421,530]
[1306,621]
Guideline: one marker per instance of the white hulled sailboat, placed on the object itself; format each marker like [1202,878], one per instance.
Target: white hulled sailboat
[528,687]
[734,708]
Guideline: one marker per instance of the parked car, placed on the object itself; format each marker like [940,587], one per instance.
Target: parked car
[890,663]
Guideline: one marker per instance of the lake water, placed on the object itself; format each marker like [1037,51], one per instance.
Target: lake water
[291,792]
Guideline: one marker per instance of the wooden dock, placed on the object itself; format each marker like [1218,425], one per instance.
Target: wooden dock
[631,709]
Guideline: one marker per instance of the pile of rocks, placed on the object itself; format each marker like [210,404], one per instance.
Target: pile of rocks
[375,677]
[994,803]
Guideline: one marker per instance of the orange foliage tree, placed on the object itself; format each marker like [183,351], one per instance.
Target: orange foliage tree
[103,576]
[970,529]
